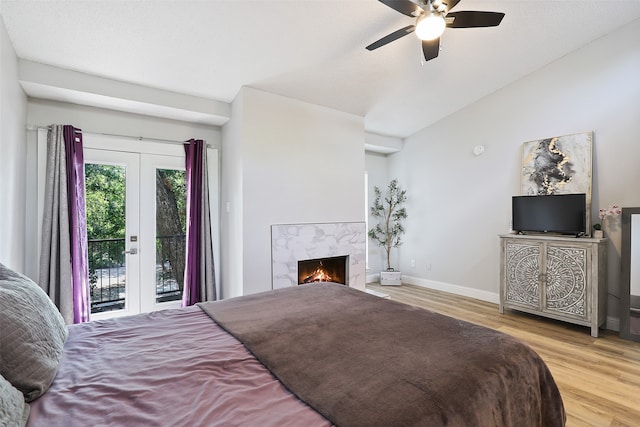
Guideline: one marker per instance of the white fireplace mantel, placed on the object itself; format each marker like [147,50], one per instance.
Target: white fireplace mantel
[291,243]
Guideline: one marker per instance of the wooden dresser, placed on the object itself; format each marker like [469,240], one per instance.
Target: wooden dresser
[560,277]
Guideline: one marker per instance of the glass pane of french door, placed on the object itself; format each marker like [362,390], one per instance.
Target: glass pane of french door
[170,234]
[106,234]
[164,230]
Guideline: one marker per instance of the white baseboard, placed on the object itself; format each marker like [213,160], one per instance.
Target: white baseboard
[453,289]
[611,324]
[445,287]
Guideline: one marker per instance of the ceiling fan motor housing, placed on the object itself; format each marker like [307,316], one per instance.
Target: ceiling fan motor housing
[438,6]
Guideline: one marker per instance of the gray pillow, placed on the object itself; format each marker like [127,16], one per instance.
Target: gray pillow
[33,334]
[14,411]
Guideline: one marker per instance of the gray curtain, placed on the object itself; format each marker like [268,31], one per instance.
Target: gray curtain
[208,268]
[63,256]
[199,281]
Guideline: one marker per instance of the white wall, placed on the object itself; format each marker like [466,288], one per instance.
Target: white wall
[231,202]
[459,203]
[299,163]
[99,120]
[13,155]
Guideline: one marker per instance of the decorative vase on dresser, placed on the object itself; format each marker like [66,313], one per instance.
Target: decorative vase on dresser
[563,278]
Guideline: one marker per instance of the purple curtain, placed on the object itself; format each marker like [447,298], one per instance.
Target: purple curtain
[199,284]
[77,222]
[64,266]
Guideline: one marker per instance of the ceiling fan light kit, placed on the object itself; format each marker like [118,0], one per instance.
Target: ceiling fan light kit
[430,26]
[432,17]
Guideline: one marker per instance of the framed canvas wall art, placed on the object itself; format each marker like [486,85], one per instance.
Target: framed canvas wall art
[559,165]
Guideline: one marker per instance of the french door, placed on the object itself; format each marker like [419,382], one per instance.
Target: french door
[135,224]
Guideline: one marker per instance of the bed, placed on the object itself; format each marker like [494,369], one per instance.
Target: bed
[311,355]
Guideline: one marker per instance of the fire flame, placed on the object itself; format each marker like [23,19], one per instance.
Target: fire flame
[319,275]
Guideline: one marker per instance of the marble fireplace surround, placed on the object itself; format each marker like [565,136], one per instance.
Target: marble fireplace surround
[291,243]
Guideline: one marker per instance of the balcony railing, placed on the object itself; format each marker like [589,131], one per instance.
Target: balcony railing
[108,271]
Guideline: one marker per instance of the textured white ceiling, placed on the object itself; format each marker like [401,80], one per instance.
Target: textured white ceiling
[312,50]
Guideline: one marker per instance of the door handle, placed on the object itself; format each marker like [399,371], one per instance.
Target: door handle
[132,251]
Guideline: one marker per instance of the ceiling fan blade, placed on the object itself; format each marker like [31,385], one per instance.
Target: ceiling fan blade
[405,7]
[431,48]
[391,37]
[474,19]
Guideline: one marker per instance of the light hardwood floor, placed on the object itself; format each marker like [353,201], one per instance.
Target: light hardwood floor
[599,378]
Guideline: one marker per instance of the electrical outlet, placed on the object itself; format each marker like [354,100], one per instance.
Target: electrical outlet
[412,263]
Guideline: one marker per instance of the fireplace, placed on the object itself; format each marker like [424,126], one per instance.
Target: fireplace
[329,269]
[293,242]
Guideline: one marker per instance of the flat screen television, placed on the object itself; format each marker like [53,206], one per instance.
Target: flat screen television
[557,213]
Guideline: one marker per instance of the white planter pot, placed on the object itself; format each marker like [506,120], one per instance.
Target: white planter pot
[390,278]
[598,234]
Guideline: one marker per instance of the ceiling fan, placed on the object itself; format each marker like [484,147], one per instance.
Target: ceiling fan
[432,16]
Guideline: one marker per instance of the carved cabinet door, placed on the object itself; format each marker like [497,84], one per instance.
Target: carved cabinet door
[523,274]
[565,291]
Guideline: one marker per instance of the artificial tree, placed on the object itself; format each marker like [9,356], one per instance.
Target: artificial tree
[390,210]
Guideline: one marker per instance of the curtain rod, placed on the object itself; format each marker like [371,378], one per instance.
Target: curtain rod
[139,138]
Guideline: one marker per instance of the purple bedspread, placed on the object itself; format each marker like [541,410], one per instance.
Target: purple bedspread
[167,368]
